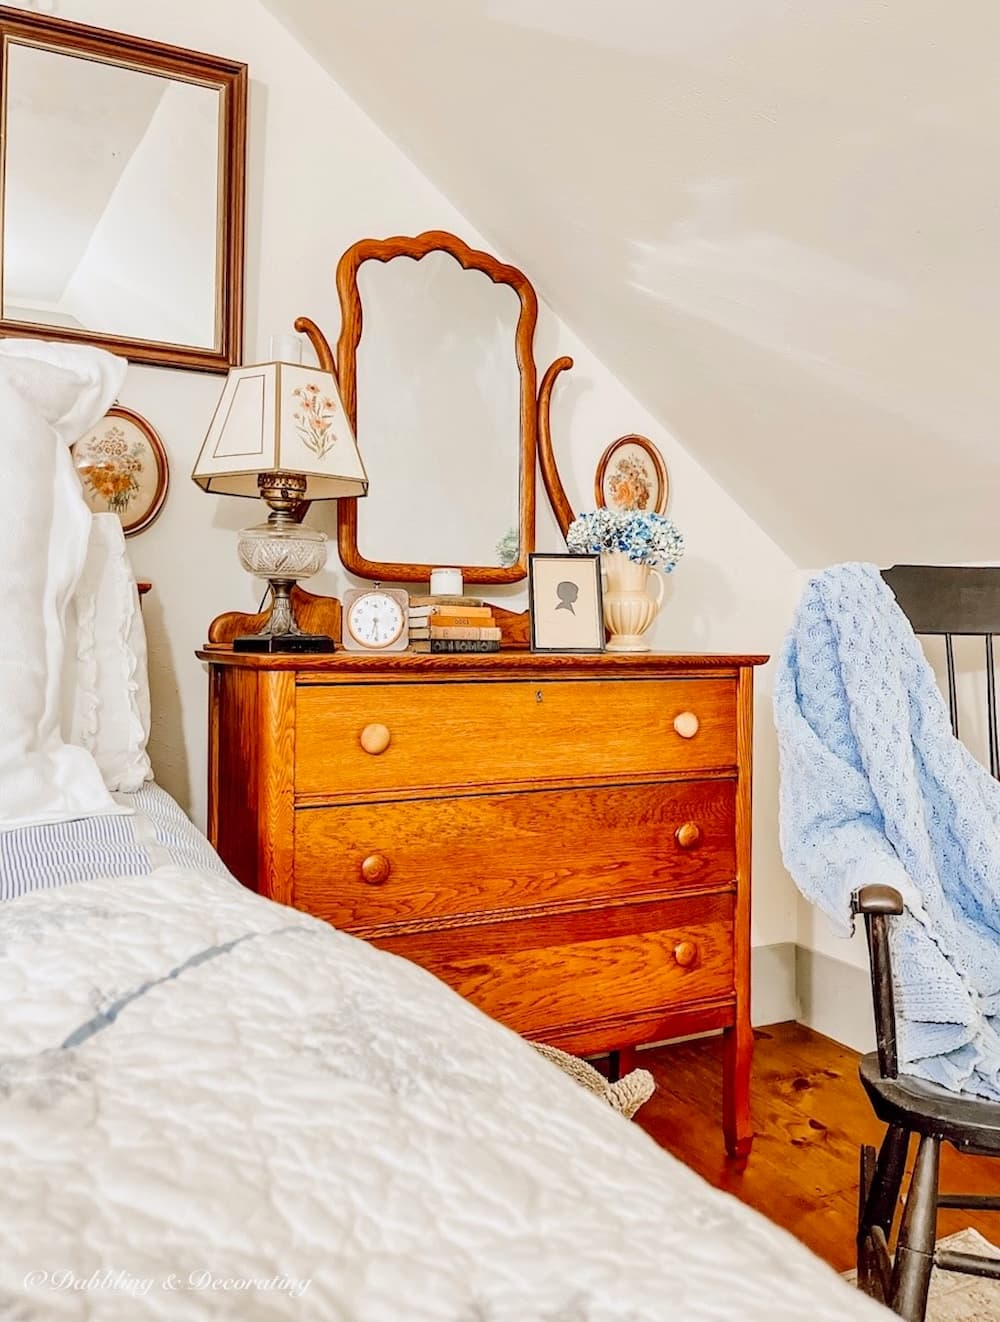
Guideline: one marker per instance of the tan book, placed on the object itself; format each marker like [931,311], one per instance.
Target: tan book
[467,620]
[446,601]
[449,632]
[447,611]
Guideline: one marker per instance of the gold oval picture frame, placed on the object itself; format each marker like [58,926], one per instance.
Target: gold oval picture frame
[123,469]
[631,475]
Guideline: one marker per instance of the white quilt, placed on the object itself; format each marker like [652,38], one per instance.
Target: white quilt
[215,1107]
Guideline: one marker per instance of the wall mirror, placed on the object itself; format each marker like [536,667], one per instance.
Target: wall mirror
[437,371]
[122,201]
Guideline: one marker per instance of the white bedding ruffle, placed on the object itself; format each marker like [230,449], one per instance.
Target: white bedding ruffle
[106,693]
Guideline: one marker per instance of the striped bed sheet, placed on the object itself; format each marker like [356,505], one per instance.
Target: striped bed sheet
[159,832]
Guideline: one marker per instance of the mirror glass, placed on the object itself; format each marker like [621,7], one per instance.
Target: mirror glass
[438,416]
[111,199]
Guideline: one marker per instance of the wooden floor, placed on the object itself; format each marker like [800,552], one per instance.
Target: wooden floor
[810,1114]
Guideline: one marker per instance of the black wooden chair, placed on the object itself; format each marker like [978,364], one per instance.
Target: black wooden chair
[952,602]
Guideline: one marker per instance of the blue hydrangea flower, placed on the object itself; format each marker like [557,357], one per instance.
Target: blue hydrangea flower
[648,539]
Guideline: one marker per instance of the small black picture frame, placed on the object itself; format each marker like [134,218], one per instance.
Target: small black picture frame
[565,603]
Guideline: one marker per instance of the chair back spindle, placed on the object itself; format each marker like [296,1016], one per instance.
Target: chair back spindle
[953,601]
[949,655]
[991,709]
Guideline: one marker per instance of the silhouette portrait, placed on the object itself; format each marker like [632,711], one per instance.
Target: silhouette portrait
[567,593]
[564,601]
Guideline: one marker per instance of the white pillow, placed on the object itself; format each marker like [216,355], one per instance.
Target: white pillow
[50,394]
[107,680]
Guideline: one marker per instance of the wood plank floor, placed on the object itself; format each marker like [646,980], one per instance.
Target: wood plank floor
[810,1114]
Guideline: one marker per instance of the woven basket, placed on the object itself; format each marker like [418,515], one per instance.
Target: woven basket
[625,1096]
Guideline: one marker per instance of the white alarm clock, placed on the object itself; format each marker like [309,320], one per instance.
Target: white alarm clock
[376,619]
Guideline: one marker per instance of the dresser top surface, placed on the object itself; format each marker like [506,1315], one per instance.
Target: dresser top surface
[511,662]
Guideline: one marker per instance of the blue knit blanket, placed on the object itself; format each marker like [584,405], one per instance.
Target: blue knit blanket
[875,788]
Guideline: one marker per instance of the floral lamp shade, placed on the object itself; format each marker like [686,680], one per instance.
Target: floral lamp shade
[281,418]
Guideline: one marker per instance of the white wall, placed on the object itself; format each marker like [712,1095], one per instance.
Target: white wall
[321,175]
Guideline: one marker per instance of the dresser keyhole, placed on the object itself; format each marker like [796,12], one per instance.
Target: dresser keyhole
[538,695]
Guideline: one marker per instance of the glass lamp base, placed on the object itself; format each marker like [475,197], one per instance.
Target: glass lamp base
[280,632]
[282,551]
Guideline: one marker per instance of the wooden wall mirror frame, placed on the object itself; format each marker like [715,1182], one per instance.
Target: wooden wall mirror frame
[223,346]
[470,259]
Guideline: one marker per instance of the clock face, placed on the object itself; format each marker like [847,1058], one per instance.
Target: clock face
[375,620]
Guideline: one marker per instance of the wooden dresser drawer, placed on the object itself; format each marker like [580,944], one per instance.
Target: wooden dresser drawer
[557,971]
[361,867]
[443,735]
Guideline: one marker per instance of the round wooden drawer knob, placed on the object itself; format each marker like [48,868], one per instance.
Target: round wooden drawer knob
[688,835]
[686,724]
[685,953]
[375,869]
[375,739]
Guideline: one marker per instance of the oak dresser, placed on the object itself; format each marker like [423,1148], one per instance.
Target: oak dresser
[565,840]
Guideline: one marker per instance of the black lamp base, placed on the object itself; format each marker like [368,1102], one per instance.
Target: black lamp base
[276,643]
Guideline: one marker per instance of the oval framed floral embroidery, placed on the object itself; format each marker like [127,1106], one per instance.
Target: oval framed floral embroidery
[631,475]
[123,469]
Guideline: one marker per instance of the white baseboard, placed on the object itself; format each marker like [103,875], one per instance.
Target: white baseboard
[773,992]
[789,981]
[835,999]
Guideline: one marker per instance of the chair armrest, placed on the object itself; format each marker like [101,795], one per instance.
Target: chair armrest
[877,899]
[878,904]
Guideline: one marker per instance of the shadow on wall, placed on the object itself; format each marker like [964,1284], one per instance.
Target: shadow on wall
[166,745]
[695,580]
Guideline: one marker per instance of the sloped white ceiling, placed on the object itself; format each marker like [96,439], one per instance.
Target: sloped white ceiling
[777,222]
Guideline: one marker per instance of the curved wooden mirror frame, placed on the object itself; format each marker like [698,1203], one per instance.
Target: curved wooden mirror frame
[470,259]
[551,480]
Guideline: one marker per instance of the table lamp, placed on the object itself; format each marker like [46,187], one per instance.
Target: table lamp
[280,432]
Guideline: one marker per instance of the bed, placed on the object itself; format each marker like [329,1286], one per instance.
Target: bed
[215,1107]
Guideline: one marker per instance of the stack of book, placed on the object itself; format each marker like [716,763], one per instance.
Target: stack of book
[452,624]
